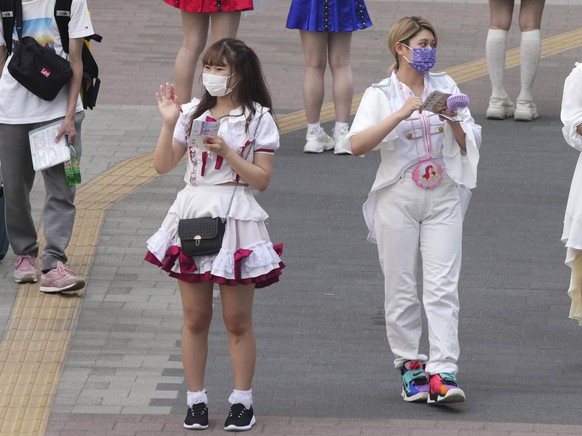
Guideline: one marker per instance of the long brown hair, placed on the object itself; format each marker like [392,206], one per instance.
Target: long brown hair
[403,31]
[251,87]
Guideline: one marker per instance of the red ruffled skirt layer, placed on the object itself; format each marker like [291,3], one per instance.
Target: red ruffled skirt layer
[175,257]
[207,6]
[247,255]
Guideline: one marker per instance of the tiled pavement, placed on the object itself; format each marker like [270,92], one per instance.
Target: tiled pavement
[323,366]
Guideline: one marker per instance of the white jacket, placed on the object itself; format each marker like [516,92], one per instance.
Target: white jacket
[399,151]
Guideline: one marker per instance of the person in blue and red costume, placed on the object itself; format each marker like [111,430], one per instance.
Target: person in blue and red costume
[417,204]
[326,29]
[224,170]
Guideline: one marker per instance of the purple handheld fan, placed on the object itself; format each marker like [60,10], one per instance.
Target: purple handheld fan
[456,102]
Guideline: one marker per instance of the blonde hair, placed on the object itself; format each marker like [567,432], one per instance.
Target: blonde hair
[403,31]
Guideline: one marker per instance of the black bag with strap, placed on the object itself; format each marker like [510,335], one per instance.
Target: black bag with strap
[201,236]
[90,81]
[39,69]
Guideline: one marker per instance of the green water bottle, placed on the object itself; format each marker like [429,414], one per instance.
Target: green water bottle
[72,171]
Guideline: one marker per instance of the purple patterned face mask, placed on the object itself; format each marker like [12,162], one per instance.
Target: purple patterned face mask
[423,58]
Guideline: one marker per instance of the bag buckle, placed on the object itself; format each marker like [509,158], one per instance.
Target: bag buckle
[197,240]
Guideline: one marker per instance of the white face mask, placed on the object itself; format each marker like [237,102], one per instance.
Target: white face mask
[216,85]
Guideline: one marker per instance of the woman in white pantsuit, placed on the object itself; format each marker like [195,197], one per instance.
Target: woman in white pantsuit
[417,202]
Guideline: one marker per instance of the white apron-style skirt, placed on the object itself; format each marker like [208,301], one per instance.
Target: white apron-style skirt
[247,255]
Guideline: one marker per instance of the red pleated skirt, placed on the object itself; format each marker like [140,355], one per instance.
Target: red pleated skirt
[206,6]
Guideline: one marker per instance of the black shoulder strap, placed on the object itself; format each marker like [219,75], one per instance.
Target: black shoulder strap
[62,17]
[11,16]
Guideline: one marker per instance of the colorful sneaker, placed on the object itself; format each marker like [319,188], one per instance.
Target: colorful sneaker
[444,388]
[526,110]
[318,142]
[25,269]
[339,139]
[196,417]
[239,418]
[500,108]
[414,381]
[60,279]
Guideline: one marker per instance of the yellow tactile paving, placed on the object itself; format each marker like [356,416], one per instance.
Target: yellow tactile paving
[36,340]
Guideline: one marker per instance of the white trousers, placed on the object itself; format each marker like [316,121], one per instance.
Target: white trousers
[409,220]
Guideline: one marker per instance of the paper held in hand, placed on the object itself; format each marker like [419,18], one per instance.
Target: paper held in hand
[45,151]
[436,103]
[201,129]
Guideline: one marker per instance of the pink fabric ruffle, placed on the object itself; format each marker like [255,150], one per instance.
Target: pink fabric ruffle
[188,268]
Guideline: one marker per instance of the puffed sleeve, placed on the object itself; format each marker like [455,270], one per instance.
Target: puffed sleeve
[462,165]
[571,114]
[374,107]
[267,136]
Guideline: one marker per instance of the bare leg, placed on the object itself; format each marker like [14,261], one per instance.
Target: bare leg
[575,290]
[197,308]
[500,14]
[224,25]
[195,31]
[237,308]
[315,54]
[339,45]
[530,14]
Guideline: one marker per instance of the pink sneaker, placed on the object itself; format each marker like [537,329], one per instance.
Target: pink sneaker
[60,279]
[25,269]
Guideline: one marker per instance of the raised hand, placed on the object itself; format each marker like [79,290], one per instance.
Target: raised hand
[168,103]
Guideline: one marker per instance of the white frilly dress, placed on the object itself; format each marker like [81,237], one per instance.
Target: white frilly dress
[571,116]
[247,255]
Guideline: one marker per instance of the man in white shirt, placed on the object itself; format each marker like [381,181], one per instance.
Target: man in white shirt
[20,112]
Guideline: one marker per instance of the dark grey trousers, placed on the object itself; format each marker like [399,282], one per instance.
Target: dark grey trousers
[58,215]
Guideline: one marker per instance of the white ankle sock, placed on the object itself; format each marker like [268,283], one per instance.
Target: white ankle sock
[243,397]
[530,59]
[196,397]
[339,126]
[313,128]
[495,46]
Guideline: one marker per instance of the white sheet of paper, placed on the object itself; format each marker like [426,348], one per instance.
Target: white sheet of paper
[45,151]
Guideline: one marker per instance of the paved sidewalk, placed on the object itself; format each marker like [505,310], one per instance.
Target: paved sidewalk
[323,367]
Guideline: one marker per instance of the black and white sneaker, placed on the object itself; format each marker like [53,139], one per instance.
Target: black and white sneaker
[239,418]
[197,417]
